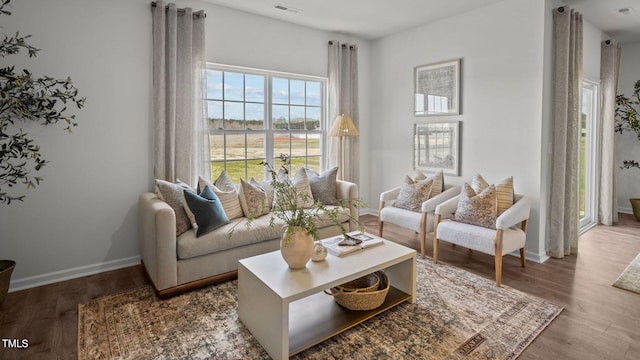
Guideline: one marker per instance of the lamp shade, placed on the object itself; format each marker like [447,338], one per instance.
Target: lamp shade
[343,126]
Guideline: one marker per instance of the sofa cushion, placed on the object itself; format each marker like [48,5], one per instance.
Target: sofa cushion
[207,210]
[323,186]
[253,199]
[227,193]
[304,196]
[239,233]
[172,194]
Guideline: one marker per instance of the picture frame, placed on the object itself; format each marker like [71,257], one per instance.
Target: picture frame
[437,147]
[437,88]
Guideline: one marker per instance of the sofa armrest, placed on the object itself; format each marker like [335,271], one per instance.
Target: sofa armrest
[346,192]
[157,240]
[449,192]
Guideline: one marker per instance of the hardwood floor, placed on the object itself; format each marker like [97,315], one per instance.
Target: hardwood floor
[598,320]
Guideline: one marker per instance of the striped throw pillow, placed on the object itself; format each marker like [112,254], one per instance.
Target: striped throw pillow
[504,191]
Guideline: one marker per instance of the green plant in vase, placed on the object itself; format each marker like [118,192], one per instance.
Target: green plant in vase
[298,210]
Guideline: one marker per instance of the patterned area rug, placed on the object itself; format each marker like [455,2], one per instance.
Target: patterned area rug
[630,278]
[457,315]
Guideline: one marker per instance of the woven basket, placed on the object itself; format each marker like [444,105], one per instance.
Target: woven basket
[362,300]
[364,284]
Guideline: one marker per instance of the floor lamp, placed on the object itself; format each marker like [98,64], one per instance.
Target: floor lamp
[342,127]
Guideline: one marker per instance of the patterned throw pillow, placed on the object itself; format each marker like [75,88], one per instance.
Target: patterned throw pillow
[504,190]
[227,193]
[323,186]
[477,209]
[438,181]
[207,210]
[172,194]
[253,199]
[413,194]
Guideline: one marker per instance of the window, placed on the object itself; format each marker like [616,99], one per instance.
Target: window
[256,115]
[588,214]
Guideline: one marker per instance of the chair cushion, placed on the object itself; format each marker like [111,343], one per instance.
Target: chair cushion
[480,238]
[504,191]
[413,194]
[405,218]
[477,209]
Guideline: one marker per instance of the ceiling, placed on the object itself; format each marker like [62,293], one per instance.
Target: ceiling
[371,19]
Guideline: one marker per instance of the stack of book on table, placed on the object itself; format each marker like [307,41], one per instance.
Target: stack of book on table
[339,246]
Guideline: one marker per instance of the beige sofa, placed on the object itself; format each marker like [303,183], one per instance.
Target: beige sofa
[175,265]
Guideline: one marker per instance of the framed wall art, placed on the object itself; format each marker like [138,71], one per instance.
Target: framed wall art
[437,147]
[437,88]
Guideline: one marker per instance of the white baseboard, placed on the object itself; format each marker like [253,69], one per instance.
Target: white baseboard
[530,256]
[45,279]
[626,210]
[368,211]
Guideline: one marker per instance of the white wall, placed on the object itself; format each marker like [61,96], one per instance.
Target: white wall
[628,145]
[83,217]
[502,87]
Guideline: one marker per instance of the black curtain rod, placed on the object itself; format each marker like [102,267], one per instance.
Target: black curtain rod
[180,11]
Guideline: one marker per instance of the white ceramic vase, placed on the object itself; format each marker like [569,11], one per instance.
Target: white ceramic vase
[298,249]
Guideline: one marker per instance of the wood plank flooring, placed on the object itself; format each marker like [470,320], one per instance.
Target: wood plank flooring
[598,322]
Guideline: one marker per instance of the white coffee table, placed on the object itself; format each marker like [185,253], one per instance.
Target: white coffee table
[288,312]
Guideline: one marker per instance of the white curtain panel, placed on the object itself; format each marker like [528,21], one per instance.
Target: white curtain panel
[343,99]
[180,125]
[609,70]
[562,232]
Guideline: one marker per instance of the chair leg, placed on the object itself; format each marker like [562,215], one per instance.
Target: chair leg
[435,238]
[423,234]
[498,270]
[435,249]
[523,259]
[380,228]
[498,256]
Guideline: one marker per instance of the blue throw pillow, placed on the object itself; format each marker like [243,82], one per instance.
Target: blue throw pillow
[207,210]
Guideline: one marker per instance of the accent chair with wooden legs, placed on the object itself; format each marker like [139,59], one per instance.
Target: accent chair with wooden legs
[509,234]
[421,222]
